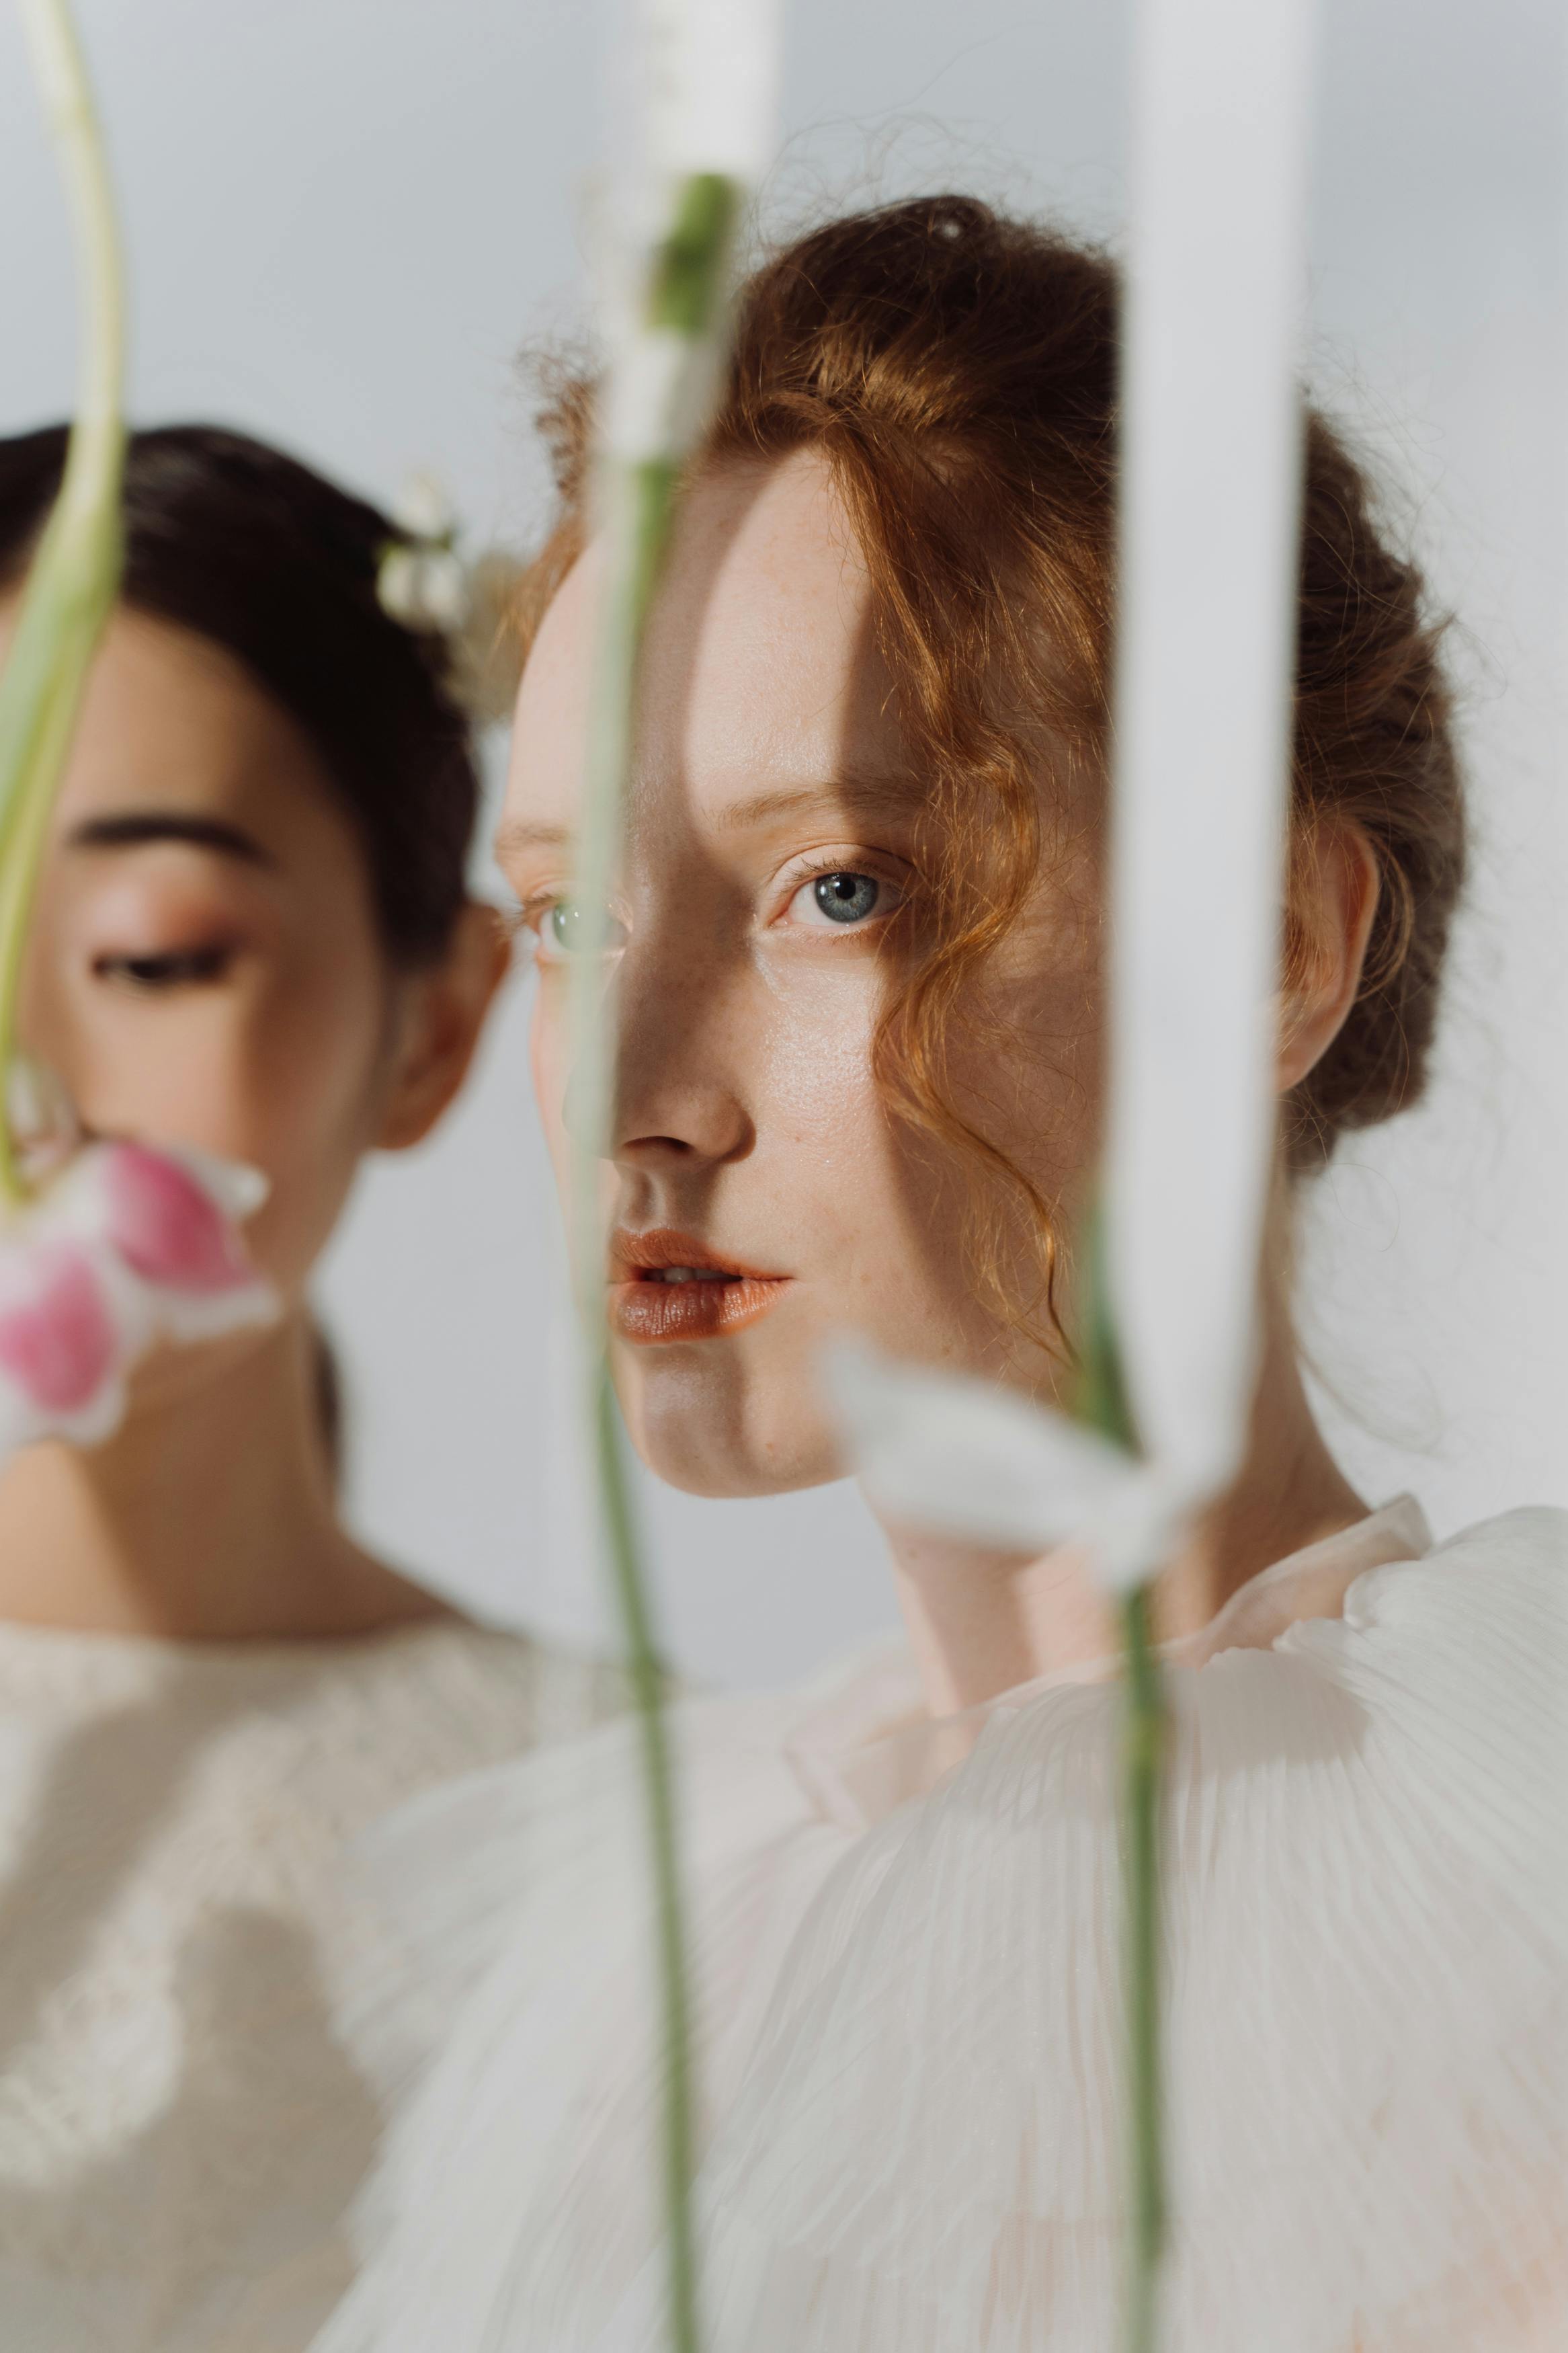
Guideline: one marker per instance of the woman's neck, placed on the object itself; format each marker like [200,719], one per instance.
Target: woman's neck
[980,1622]
[210,1515]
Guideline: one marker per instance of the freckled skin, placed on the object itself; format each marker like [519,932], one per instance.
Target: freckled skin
[748,1113]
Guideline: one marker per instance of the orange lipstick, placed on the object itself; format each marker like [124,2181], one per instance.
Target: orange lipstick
[665,1285]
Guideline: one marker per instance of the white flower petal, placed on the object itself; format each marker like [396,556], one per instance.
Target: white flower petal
[970,1458]
[424,588]
[22,1423]
[424,508]
[967,1456]
[45,1128]
[234,1186]
[443,590]
[76,1204]
[183,1316]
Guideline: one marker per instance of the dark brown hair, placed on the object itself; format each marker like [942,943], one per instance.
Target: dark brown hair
[958,371]
[264,557]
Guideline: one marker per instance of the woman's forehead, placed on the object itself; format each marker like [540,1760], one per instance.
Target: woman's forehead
[172,719]
[177,744]
[760,672]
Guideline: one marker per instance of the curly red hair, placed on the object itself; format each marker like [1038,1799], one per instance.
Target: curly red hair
[957,370]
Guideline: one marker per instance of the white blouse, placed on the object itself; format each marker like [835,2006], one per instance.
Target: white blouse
[180,2128]
[906,1972]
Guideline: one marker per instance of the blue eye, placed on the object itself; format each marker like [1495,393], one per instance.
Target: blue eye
[842,901]
[847,898]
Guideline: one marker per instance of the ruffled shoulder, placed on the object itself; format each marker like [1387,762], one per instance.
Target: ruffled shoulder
[1367,2032]
[911,2040]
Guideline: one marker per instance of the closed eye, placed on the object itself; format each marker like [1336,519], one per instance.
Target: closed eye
[167,969]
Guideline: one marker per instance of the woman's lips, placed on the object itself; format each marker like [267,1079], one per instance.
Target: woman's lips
[669,1286]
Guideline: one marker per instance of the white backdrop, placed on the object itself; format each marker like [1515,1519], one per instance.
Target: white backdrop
[346,215]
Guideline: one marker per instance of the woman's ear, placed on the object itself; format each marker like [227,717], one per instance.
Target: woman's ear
[1333,898]
[442,1013]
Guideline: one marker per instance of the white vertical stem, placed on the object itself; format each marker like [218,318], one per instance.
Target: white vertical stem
[706,81]
[1211,444]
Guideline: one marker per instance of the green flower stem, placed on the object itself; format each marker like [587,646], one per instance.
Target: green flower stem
[649,1680]
[75,576]
[1142,1769]
[683,320]
[1102,1402]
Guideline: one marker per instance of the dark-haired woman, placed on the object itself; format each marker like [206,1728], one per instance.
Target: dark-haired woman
[255,937]
[859,948]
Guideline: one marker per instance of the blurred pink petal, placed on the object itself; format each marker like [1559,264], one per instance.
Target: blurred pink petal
[60,1344]
[167,1227]
[125,1247]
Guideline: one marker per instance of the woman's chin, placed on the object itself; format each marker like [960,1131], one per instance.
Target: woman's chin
[707,1428]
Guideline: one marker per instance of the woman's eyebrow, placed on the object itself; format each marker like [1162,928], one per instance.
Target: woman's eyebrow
[133,827]
[514,835]
[871,794]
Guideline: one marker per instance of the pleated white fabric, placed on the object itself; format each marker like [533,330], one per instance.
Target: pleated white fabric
[910,2031]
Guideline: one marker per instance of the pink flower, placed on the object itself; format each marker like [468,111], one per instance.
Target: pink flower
[57,1337]
[166,1225]
[129,1246]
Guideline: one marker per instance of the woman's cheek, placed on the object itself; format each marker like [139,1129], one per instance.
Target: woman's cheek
[172,1073]
[232,1070]
[820,1057]
[305,1085]
[549,1050]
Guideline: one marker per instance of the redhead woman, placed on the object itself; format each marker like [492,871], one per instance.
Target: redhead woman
[254,937]
[859,961]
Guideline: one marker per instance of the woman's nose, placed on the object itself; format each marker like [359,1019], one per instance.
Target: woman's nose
[680,1096]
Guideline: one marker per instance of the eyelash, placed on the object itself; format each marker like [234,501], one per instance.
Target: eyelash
[176,968]
[527,920]
[855,861]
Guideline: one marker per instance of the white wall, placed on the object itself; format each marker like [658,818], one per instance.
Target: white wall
[346,215]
